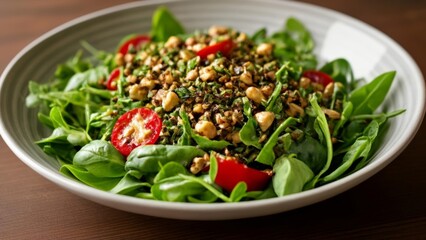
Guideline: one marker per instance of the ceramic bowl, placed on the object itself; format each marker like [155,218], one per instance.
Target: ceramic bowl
[336,35]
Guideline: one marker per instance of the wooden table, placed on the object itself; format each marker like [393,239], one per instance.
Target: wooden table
[390,205]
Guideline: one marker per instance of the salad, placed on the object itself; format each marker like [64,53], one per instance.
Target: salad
[216,115]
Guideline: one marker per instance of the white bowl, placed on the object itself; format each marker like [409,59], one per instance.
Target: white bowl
[336,35]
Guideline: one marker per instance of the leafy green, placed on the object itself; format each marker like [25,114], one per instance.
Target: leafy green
[149,158]
[294,43]
[369,97]
[325,138]
[248,133]
[310,151]
[203,142]
[290,175]
[340,70]
[84,176]
[267,155]
[164,25]
[129,185]
[101,159]
[360,149]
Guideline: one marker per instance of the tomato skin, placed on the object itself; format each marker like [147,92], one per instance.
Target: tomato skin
[111,83]
[225,47]
[133,41]
[151,123]
[318,77]
[230,172]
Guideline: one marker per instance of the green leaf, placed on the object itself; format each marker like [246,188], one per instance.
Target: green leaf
[203,142]
[324,134]
[360,149]
[310,151]
[148,159]
[248,133]
[176,189]
[84,176]
[90,77]
[128,184]
[213,167]
[341,71]
[101,159]
[207,144]
[266,155]
[169,170]
[290,175]
[259,36]
[164,25]
[369,97]
[57,118]
[238,192]
[294,43]
[344,117]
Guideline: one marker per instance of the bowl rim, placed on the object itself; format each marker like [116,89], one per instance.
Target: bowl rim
[310,196]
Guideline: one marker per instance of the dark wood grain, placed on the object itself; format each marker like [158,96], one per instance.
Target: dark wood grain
[390,205]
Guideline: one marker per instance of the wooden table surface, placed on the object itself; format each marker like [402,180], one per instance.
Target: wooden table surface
[390,205]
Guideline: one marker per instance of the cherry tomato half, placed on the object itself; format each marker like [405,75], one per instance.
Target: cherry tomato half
[230,172]
[134,41]
[111,83]
[225,47]
[318,77]
[139,126]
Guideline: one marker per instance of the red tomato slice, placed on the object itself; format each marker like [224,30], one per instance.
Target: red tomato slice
[230,172]
[111,83]
[225,47]
[134,41]
[139,126]
[318,77]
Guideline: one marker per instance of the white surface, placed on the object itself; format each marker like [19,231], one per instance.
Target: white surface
[19,127]
[338,43]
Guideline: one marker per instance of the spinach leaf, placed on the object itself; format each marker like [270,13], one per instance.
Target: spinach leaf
[60,151]
[290,175]
[294,43]
[84,176]
[176,189]
[203,142]
[207,144]
[341,71]
[204,180]
[213,167]
[239,192]
[360,149]
[367,98]
[267,155]
[164,25]
[90,77]
[310,151]
[76,137]
[128,184]
[287,71]
[265,194]
[324,134]
[273,105]
[149,158]
[378,115]
[204,197]
[186,137]
[344,117]
[169,170]
[259,36]
[101,159]
[248,133]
